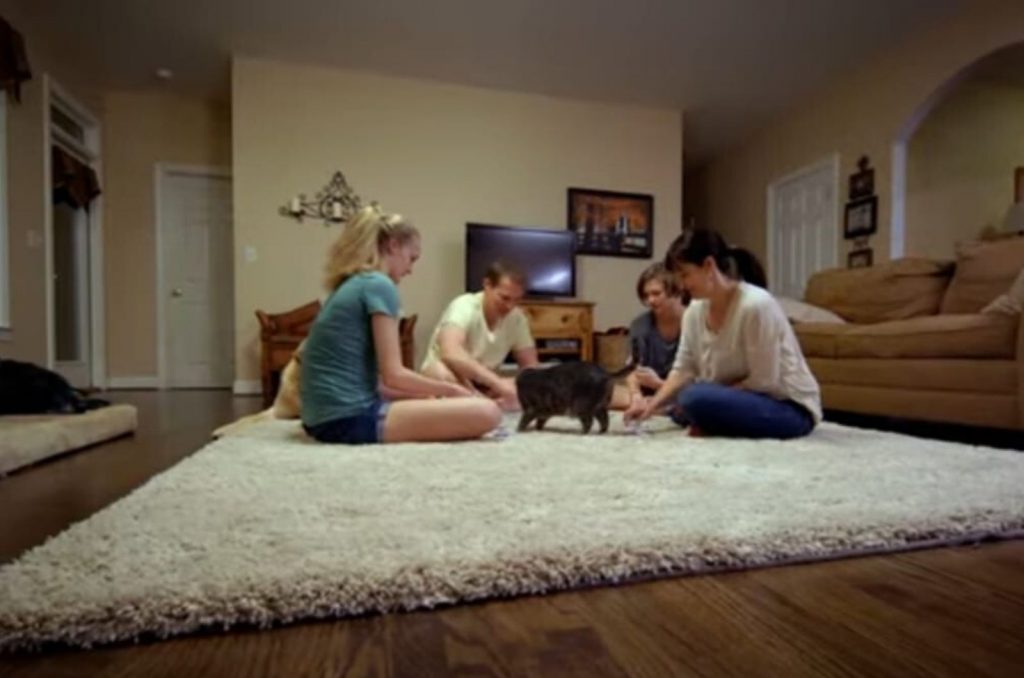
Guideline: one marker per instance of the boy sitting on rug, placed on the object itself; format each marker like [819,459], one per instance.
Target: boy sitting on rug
[653,335]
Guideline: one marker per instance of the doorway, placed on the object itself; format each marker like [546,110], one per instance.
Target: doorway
[802,226]
[195,284]
[74,239]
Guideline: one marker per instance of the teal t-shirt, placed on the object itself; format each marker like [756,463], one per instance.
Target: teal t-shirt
[339,363]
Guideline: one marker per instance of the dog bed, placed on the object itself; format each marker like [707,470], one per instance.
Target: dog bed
[26,439]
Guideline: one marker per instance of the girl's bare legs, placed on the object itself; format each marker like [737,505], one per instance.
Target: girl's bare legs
[440,419]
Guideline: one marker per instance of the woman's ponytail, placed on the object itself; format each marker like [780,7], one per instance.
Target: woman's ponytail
[693,247]
[749,268]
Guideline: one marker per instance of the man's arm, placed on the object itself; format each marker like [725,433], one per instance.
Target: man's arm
[526,357]
[523,348]
[452,341]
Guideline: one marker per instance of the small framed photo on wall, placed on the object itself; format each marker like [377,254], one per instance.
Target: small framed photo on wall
[861,218]
[862,258]
[862,182]
[611,223]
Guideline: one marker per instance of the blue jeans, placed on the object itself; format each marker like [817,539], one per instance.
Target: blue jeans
[732,412]
[360,429]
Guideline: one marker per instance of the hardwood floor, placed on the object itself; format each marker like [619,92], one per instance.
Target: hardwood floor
[956,611]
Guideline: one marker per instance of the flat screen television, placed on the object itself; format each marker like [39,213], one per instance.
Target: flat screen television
[546,257]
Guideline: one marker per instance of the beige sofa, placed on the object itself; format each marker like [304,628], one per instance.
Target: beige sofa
[926,340]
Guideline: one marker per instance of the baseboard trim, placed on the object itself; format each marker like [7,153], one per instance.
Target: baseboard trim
[247,387]
[133,383]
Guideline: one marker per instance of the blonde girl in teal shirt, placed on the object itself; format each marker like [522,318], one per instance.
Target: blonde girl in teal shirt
[354,388]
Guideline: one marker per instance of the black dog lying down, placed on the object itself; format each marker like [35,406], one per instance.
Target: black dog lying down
[577,389]
[29,389]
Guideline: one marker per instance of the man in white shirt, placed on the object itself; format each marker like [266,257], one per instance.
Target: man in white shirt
[477,330]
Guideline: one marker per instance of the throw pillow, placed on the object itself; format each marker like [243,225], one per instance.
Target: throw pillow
[802,312]
[984,270]
[1010,302]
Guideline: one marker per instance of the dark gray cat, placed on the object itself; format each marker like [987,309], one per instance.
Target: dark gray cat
[577,389]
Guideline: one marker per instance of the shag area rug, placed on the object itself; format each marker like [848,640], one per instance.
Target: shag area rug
[267,527]
[27,439]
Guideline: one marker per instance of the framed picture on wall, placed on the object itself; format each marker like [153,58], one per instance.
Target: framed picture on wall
[1018,184]
[610,223]
[862,182]
[862,258]
[861,218]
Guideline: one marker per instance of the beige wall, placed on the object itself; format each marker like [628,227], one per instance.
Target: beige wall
[695,198]
[440,154]
[960,165]
[25,190]
[143,129]
[863,112]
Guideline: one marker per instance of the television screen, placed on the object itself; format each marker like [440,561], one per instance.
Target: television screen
[547,258]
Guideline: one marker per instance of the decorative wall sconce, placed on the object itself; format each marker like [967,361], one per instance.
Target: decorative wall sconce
[335,203]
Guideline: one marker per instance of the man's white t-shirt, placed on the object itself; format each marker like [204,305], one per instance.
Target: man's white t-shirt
[755,345]
[487,346]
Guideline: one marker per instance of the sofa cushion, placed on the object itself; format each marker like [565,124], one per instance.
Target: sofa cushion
[939,336]
[819,339]
[905,288]
[984,270]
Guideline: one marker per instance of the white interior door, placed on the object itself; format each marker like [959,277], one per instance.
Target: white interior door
[71,295]
[196,280]
[802,227]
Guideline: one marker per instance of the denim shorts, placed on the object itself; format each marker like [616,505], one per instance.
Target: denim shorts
[358,429]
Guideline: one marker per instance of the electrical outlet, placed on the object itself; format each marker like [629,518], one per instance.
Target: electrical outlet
[250,254]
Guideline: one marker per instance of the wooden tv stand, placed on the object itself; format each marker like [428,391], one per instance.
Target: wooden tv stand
[569,319]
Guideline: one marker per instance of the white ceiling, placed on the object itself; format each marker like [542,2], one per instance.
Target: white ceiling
[731,64]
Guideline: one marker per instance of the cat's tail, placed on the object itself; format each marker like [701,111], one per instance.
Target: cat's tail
[635,353]
[618,374]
